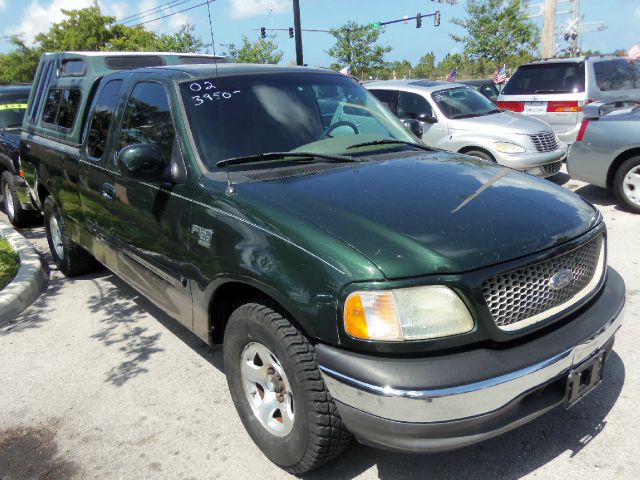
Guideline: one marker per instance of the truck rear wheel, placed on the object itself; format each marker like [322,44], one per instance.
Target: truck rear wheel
[278,391]
[18,216]
[626,184]
[70,258]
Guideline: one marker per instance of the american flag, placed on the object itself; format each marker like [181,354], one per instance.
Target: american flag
[634,52]
[453,75]
[500,75]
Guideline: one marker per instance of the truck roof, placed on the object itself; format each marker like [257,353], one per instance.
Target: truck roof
[224,69]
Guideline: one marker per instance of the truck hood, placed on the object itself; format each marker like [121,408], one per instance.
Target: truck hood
[424,213]
[501,123]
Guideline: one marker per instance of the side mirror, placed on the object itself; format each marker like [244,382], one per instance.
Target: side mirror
[423,117]
[143,161]
[414,126]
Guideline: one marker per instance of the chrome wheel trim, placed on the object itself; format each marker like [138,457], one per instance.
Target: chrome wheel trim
[267,389]
[8,201]
[56,237]
[631,185]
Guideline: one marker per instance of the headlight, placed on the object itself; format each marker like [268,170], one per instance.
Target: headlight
[416,313]
[505,147]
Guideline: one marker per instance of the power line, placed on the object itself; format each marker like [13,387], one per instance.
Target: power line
[150,10]
[172,14]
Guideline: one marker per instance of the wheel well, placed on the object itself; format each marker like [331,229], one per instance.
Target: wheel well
[476,149]
[619,160]
[230,296]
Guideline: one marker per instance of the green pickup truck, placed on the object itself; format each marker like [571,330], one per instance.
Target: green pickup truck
[360,282]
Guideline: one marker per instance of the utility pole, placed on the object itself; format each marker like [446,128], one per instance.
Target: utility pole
[298,32]
[549,29]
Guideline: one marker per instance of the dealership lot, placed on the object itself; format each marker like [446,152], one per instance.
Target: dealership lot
[95,382]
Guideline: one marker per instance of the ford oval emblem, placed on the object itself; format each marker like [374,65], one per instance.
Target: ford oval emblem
[561,279]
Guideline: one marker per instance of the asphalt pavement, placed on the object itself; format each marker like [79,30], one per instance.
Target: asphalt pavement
[97,383]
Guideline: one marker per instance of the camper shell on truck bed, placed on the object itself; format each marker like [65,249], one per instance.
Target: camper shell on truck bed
[360,282]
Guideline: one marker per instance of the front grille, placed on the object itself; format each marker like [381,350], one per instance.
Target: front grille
[545,142]
[552,168]
[524,297]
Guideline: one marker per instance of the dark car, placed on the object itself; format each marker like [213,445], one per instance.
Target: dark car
[17,205]
[361,283]
[487,88]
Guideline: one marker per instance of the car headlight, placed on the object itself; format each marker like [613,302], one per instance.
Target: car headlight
[506,147]
[416,313]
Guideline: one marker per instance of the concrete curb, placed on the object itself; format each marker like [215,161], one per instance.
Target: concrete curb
[29,281]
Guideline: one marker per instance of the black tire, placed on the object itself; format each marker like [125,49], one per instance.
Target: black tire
[18,216]
[73,260]
[480,154]
[619,181]
[318,434]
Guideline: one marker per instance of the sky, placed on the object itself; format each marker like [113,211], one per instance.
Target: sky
[233,18]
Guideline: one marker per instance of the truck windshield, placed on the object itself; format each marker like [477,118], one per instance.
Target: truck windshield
[12,108]
[246,115]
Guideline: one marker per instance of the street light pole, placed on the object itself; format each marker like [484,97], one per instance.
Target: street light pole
[298,32]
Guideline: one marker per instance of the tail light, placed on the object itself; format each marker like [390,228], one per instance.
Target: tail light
[570,106]
[583,128]
[513,106]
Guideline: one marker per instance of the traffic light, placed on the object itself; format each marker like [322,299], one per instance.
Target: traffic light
[418,20]
[290,32]
[263,32]
[436,19]
[375,25]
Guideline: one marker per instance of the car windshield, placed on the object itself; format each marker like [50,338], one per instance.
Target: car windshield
[462,102]
[246,115]
[12,108]
[546,78]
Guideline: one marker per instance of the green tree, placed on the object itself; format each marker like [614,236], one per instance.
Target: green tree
[356,45]
[426,66]
[263,50]
[20,64]
[496,30]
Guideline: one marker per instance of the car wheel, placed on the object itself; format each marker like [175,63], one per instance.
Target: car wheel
[12,207]
[70,258]
[626,184]
[480,154]
[277,389]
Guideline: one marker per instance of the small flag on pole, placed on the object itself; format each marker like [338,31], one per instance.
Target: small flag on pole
[500,75]
[453,75]
[634,52]
[346,70]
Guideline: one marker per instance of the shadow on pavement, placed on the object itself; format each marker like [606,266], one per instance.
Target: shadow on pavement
[559,178]
[597,195]
[508,456]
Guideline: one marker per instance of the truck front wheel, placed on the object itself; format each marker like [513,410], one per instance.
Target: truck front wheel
[70,258]
[278,391]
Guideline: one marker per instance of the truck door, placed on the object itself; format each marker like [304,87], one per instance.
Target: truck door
[147,223]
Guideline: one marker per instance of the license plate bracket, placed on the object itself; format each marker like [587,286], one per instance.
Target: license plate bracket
[583,379]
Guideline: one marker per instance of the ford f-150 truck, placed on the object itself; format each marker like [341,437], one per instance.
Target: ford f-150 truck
[360,282]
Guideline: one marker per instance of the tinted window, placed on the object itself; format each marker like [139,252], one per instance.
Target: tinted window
[73,67]
[101,119]
[147,119]
[412,105]
[463,103]
[490,91]
[386,97]
[618,74]
[546,78]
[134,61]
[61,107]
[202,60]
[12,108]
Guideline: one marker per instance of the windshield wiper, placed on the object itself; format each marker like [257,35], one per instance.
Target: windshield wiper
[467,115]
[282,155]
[390,141]
[495,110]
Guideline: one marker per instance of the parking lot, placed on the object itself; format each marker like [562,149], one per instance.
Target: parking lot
[95,382]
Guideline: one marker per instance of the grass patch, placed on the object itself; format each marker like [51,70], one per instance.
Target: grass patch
[9,263]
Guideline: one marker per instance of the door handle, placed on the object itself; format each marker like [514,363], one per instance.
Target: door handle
[108,191]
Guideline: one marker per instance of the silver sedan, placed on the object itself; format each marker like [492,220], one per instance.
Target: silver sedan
[606,152]
[458,118]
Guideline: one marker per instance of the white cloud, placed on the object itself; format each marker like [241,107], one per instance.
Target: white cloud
[3,4]
[252,8]
[38,18]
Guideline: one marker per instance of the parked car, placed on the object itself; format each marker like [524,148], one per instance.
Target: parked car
[17,205]
[361,283]
[556,90]
[488,88]
[458,118]
[606,152]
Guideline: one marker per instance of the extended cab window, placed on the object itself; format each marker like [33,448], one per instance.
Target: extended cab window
[147,119]
[61,107]
[101,119]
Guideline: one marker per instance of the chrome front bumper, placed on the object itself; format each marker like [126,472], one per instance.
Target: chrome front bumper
[482,397]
